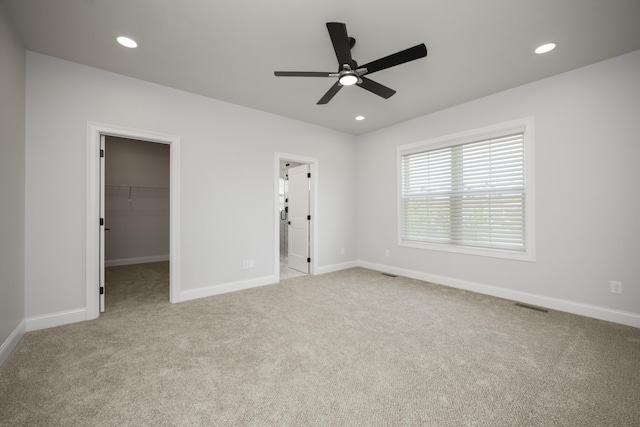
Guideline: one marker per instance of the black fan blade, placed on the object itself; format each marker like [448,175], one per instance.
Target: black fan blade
[377,88]
[341,43]
[303,74]
[330,93]
[407,55]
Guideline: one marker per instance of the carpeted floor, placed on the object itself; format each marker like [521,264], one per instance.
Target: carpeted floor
[348,348]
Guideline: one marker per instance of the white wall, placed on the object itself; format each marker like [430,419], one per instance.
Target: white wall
[586,155]
[587,197]
[227,194]
[136,201]
[12,182]
[138,163]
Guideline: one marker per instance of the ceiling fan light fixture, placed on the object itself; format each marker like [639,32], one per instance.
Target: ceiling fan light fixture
[545,48]
[349,73]
[348,79]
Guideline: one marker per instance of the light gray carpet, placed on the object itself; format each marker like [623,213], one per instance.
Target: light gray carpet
[349,348]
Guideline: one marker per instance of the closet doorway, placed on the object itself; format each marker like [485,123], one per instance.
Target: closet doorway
[95,229]
[136,189]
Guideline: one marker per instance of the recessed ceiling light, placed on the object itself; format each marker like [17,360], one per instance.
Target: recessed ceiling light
[359,118]
[127,42]
[547,47]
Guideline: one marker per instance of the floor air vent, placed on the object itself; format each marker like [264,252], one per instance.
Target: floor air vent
[389,274]
[530,307]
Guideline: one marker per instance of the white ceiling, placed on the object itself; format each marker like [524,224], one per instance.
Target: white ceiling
[228,50]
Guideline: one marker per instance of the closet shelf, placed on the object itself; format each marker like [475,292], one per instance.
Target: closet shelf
[135,188]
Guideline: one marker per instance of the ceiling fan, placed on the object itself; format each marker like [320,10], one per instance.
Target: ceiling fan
[349,73]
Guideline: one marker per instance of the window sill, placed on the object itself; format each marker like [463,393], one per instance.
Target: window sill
[528,256]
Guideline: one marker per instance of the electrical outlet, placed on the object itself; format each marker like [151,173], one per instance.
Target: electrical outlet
[252,263]
[342,251]
[387,253]
[616,287]
[245,264]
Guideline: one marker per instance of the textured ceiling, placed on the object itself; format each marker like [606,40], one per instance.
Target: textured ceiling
[229,50]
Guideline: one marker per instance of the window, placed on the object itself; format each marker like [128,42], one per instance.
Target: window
[470,193]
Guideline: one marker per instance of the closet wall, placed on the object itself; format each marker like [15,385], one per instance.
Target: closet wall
[136,201]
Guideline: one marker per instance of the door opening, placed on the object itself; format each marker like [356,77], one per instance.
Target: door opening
[95,219]
[295,223]
[135,205]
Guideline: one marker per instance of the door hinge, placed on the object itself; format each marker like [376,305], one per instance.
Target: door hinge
[101,153]
[308,174]
[101,221]
[309,217]
[101,290]
[308,259]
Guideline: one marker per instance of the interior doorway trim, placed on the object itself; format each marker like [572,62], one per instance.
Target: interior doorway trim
[313,209]
[94,131]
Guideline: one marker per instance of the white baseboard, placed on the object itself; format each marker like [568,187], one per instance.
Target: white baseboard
[56,319]
[252,283]
[224,288]
[12,341]
[131,261]
[596,312]
[336,267]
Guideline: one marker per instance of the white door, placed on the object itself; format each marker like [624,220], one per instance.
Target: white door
[299,219]
[101,280]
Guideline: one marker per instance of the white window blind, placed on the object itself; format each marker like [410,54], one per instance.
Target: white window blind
[471,194]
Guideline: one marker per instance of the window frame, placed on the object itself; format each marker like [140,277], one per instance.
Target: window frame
[525,125]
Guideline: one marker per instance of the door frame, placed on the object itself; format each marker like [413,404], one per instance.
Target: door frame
[95,186]
[313,209]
